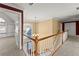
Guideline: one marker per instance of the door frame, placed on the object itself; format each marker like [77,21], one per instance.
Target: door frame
[21,20]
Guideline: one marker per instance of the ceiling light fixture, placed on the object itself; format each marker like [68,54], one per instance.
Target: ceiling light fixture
[35,34]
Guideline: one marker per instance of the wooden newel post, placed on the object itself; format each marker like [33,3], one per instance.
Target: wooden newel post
[36,46]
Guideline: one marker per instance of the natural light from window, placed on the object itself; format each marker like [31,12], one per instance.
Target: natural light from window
[2,26]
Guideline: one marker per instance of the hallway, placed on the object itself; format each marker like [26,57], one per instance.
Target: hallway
[69,48]
[8,47]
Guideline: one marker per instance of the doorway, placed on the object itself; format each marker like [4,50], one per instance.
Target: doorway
[11,29]
[71,28]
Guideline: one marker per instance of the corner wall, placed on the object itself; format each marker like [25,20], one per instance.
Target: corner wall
[45,28]
[48,27]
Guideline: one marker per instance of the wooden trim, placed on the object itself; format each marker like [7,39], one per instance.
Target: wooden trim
[69,21]
[40,39]
[10,8]
[29,37]
[22,29]
[16,10]
[36,46]
[49,36]
[77,28]
[63,27]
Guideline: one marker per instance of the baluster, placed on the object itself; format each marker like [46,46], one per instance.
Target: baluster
[36,46]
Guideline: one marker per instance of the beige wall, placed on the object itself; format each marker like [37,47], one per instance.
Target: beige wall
[56,26]
[44,28]
[47,27]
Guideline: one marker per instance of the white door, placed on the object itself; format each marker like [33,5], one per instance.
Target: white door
[71,28]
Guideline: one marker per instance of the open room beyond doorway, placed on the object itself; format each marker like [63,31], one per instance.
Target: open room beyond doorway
[10,31]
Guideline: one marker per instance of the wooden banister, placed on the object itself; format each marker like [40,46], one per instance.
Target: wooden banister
[49,36]
[29,37]
[36,46]
[36,40]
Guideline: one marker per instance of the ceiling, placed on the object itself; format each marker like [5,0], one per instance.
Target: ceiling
[9,15]
[45,11]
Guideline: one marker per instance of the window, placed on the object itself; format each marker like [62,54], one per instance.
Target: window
[2,26]
[2,20]
[28,30]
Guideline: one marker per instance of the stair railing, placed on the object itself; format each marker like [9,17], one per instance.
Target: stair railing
[36,41]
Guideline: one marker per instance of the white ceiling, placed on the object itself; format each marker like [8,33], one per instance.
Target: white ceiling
[10,15]
[44,11]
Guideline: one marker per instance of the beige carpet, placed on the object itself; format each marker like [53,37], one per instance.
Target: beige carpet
[8,47]
[69,48]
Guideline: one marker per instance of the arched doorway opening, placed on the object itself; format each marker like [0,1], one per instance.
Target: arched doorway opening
[15,10]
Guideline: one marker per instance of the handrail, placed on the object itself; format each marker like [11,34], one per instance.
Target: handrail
[29,37]
[43,37]
[36,40]
[49,36]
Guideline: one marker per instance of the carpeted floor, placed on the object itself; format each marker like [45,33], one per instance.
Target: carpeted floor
[69,48]
[8,47]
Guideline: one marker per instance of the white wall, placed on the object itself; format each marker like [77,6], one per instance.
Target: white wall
[60,27]
[10,26]
[71,27]
[10,30]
